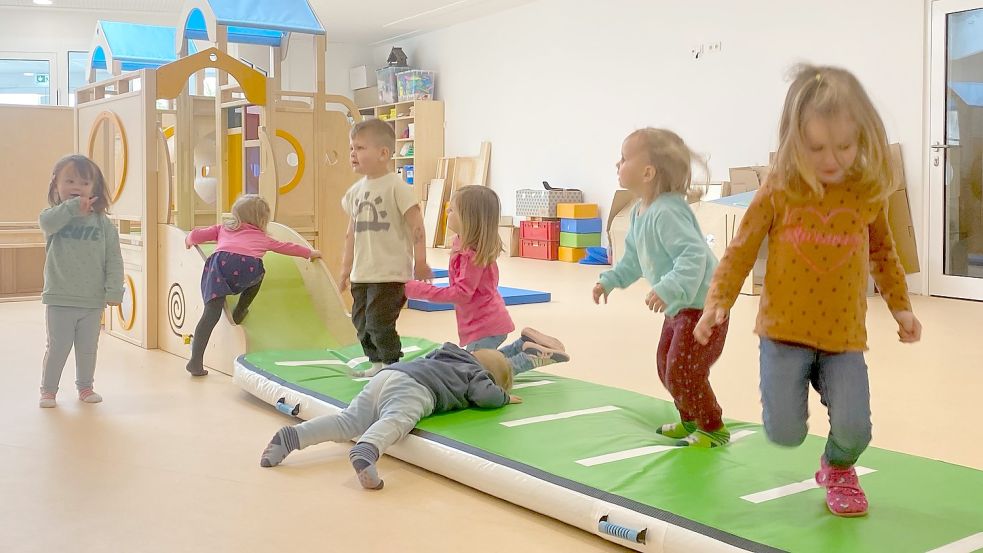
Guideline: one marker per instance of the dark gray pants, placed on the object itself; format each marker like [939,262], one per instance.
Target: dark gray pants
[374,313]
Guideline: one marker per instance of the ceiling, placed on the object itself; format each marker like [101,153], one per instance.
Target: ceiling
[358,22]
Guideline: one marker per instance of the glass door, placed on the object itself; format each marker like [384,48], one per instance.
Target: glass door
[956,151]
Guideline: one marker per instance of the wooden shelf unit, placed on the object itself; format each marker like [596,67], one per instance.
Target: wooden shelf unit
[427,117]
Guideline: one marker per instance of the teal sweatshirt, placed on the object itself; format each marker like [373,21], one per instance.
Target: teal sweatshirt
[666,246]
[83,266]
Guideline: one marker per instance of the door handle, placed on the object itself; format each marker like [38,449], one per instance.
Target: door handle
[938,147]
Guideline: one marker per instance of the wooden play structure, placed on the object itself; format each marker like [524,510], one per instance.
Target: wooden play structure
[176,156]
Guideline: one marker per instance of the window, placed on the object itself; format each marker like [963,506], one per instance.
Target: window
[77,65]
[26,82]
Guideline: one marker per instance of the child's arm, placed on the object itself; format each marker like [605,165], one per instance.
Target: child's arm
[202,235]
[347,257]
[689,253]
[890,278]
[289,248]
[737,262]
[114,264]
[467,275]
[627,271]
[484,393]
[54,218]
[742,251]
[414,219]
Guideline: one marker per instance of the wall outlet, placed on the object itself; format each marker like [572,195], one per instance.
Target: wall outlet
[697,51]
[713,47]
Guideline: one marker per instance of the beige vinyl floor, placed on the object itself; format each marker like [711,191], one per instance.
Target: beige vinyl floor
[171,464]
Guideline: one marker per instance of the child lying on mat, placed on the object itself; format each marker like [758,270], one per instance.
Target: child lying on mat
[396,399]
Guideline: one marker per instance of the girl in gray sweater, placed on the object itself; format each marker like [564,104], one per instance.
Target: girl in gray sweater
[83,273]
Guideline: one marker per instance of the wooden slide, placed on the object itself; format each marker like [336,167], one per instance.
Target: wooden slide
[298,306]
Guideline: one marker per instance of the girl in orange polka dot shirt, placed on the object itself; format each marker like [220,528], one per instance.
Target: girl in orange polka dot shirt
[823,209]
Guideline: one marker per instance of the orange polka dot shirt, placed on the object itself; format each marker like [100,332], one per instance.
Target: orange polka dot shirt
[819,255]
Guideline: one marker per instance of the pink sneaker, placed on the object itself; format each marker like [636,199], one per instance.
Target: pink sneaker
[844,496]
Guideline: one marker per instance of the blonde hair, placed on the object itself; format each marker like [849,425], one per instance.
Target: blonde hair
[673,161]
[379,132]
[87,169]
[249,209]
[479,210]
[497,366]
[828,92]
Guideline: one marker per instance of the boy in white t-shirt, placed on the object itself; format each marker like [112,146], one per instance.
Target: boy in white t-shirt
[385,245]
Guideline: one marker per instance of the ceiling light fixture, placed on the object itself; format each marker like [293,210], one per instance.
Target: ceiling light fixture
[43,2]
[28,74]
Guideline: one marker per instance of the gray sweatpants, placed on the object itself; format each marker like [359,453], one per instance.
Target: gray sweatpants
[384,411]
[67,326]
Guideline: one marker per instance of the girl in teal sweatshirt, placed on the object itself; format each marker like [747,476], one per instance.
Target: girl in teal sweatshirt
[83,273]
[665,246]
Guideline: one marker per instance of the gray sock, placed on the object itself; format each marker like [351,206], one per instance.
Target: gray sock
[364,456]
[284,441]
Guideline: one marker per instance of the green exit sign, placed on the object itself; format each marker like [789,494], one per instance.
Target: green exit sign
[41,78]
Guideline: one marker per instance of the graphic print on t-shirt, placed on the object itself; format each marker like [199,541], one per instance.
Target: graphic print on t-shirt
[373,214]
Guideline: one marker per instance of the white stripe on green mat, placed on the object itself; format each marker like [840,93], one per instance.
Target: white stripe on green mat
[791,489]
[642,451]
[558,416]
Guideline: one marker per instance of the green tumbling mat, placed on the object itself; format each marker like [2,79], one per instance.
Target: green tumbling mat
[589,455]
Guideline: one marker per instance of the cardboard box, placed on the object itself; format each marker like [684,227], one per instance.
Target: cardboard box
[366,97]
[719,221]
[576,211]
[711,191]
[510,239]
[542,203]
[744,179]
[899,216]
[618,221]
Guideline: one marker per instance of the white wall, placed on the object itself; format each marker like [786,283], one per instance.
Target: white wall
[556,89]
[298,73]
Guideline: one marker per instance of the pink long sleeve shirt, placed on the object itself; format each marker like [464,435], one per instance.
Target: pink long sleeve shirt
[473,290]
[246,240]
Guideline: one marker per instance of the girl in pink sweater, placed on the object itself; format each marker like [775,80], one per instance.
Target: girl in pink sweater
[236,267]
[482,320]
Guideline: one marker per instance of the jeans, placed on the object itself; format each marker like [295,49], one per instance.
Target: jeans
[788,369]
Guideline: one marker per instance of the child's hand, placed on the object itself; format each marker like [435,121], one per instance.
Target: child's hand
[346,280]
[598,292]
[515,399]
[187,242]
[315,254]
[710,318]
[113,303]
[85,204]
[909,329]
[654,302]
[423,272]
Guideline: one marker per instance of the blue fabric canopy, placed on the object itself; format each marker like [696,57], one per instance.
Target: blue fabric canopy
[256,21]
[135,46]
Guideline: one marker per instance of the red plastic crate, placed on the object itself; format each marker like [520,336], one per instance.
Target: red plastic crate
[540,230]
[540,249]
